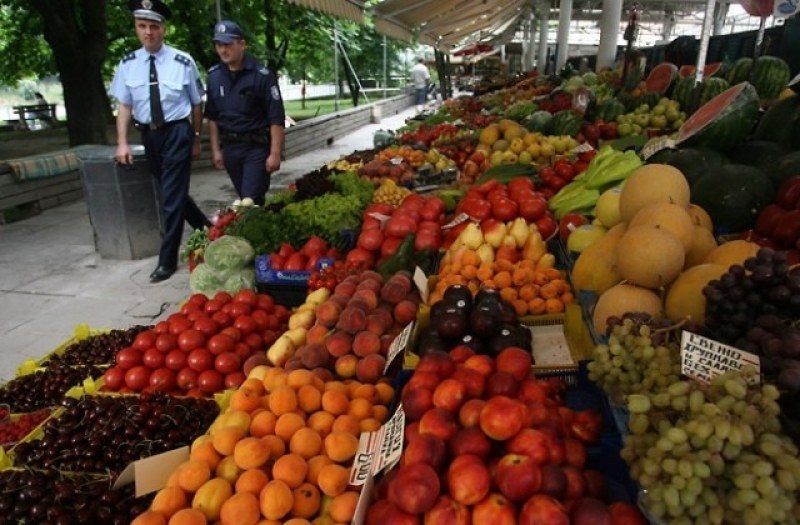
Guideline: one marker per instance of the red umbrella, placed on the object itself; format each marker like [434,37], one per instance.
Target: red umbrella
[473,49]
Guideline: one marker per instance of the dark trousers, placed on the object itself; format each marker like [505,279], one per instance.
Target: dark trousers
[169,157]
[246,166]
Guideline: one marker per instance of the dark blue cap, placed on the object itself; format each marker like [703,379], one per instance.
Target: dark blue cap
[226,32]
[154,10]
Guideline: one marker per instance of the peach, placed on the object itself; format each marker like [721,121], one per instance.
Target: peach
[501,384]
[474,383]
[323,375]
[293,363]
[382,513]
[352,320]
[345,366]
[345,288]
[481,363]
[414,489]
[469,441]
[495,509]
[328,313]
[313,355]
[427,449]
[532,443]
[368,296]
[395,291]
[360,304]
[416,402]
[371,284]
[317,333]
[554,481]
[596,486]
[518,477]
[450,395]
[339,299]
[576,483]
[370,368]
[470,413]
[515,361]
[440,363]
[543,510]
[438,422]
[376,324]
[574,453]
[622,512]
[423,379]
[589,510]
[339,343]
[366,343]
[411,432]
[446,511]
[502,417]
[386,343]
[468,479]
[405,311]
[460,353]
[532,391]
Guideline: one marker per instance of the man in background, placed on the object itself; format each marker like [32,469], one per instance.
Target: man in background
[421,78]
[245,115]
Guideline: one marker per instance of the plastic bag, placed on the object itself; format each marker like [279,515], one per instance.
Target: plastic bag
[229,253]
[245,278]
[204,280]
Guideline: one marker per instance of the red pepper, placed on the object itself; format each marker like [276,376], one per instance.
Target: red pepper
[769,218]
[788,194]
[787,230]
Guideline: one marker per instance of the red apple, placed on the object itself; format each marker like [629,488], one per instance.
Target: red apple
[501,384]
[415,488]
[427,449]
[423,379]
[411,432]
[502,417]
[575,453]
[595,484]
[589,511]
[382,486]
[382,513]
[518,477]
[474,382]
[532,391]
[576,485]
[470,440]
[483,364]
[625,514]
[437,362]
[543,510]
[450,395]
[532,443]
[447,511]
[554,481]
[515,361]
[557,451]
[438,422]
[494,509]
[461,353]
[416,402]
[468,479]
[470,413]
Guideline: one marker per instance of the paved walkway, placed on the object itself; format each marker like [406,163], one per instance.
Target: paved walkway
[51,278]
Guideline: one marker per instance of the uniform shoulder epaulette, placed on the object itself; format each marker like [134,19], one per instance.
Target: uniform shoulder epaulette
[186,61]
[264,70]
[213,68]
[130,56]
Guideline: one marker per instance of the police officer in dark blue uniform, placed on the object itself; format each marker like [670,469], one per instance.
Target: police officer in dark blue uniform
[159,86]
[245,113]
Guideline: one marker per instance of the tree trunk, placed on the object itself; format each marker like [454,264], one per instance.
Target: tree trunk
[269,36]
[351,80]
[76,32]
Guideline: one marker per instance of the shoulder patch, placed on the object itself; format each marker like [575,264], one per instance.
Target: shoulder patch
[264,70]
[276,94]
[130,56]
[213,68]
[183,60]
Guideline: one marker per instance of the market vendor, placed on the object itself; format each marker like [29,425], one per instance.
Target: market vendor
[245,114]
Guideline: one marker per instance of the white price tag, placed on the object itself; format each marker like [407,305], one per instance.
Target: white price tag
[379,217]
[398,345]
[396,160]
[421,281]
[655,145]
[364,461]
[704,359]
[582,148]
[392,444]
[458,219]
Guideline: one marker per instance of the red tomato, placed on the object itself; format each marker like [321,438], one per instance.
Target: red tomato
[245,324]
[533,209]
[195,315]
[370,240]
[360,258]
[144,340]
[505,209]
[296,262]
[565,170]
[478,209]
[243,351]
[547,226]
[269,337]
[499,193]
[206,326]
[223,319]
[276,262]
[194,392]
[161,327]
[370,223]
[313,261]
[285,250]
[221,343]
[232,332]
[234,380]
[190,339]
[153,359]
[255,342]
[163,380]
[261,319]
[390,245]
[400,225]
[210,381]
[520,182]
[227,362]
[547,173]
[426,240]
[245,296]
[128,358]
[213,306]
[187,379]
[114,378]
[198,299]
[265,302]
[520,194]
[282,313]
[200,359]
[137,378]
[314,246]
[175,360]
[166,342]
[189,308]
[429,226]
[223,297]
[238,309]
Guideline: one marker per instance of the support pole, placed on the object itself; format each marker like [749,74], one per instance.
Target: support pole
[541,63]
[219,11]
[526,46]
[609,33]
[564,19]
[531,43]
[720,13]
[760,37]
[385,71]
[704,37]
[335,67]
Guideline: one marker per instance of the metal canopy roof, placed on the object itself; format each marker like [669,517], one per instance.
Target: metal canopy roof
[348,9]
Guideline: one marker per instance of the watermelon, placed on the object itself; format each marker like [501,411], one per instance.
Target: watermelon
[740,71]
[538,121]
[760,154]
[769,75]
[684,93]
[696,162]
[723,121]
[709,71]
[661,77]
[565,123]
[711,87]
[733,195]
[651,99]
[784,168]
[609,110]
[781,124]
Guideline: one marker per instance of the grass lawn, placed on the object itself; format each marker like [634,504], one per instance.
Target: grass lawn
[321,106]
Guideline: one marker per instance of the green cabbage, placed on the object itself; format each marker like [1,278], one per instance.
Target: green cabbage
[244,278]
[204,280]
[229,253]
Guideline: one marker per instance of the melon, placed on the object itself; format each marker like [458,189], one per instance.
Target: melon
[661,77]
[668,216]
[621,299]
[685,299]
[594,269]
[652,183]
[732,252]
[703,243]
[606,210]
[649,256]
[700,217]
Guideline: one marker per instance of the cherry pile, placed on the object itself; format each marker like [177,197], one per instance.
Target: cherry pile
[45,388]
[97,349]
[47,497]
[14,430]
[106,433]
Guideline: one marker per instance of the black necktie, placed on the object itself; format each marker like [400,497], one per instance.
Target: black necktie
[156,111]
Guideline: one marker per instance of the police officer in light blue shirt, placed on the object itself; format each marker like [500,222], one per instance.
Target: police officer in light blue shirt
[245,115]
[159,87]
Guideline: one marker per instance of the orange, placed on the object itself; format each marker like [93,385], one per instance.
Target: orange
[347,423]
[508,294]
[360,408]
[251,452]
[276,445]
[316,464]
[225,439]
[192,474]
[149,518]
[341,446]
[240,509]
[343,506]
[335,402]
[252,480]
[287,425]
[282,400]
[321,422]
[306,501]
[245,400]
[275,500]
[299,377]
[309,399]
[333,479]
[291,469]
[385,393]
[263,424]
[188,517]
[306,443]
[168,501]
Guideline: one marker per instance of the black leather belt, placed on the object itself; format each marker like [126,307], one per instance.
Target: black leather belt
[141,126]
[249,137]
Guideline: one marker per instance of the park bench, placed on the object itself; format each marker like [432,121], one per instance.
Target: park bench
[28,114]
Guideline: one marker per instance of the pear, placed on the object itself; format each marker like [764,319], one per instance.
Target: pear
[472,236]
[486,253]
[520,231]
[281,350]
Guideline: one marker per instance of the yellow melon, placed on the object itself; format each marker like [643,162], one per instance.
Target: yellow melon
[621,299]
[649,256]
[652,183]
[703,242]
[732,252]
[607,208]
[668,216]
[685,299]
[700,217]
[594,269]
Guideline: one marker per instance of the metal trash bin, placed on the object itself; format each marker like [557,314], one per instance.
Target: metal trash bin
[123,204]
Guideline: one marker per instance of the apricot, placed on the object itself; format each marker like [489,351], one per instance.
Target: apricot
[187,517]
[335,402]
[228,470]
[192,474]
[309,398]
[291,469]
[251,452]
[277,446]
[306,501]
[343,506]
[240,509]
[225,439]
[341,446]
[252,480]
[205,452]
[149,517]
[263,424]
[246,400]
[339,343]
[210,496]
[380,412]
[347,423]
[288,424]
[369,424]
[275,500]
[273,378]
[168,501]
[306,443]
[333,479]
[321,422]
[282,400]
[345,366]
[385,393]
[315,465]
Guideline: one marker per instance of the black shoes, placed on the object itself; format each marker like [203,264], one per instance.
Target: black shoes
[162,273]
